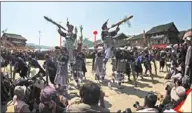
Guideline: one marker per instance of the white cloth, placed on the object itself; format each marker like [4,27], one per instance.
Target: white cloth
[151,110]
[177,76]
[108,53]
[170,111]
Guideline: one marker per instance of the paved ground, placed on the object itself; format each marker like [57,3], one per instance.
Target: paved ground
[122,98]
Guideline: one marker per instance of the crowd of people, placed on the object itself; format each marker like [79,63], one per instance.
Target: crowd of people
[177,61]
[33,92]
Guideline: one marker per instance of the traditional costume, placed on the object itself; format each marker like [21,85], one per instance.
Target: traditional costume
[107,38]
[99,66]
[78,67]
[61,78]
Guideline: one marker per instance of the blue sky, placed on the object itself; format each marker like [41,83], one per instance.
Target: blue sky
[26,18]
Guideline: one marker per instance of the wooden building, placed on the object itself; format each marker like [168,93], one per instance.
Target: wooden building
[14,39]
[162,35]
[181,34]
[136,40]
[120,40]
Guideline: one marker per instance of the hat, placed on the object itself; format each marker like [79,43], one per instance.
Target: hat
[19,91]
[177,92]
[47,94]
[179,68]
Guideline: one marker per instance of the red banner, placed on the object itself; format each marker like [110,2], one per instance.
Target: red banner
[159,46]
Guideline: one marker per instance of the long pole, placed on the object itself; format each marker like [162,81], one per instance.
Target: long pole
[60,38]
[39,39]
[95,40]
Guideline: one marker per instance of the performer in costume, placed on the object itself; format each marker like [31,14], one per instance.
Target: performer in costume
[61,78]
[162,61]
[78,65]
[79,49]
[99,67]
[56,55]
[107,38]
[129,65]
[70,41]
[147,63]
[138,66]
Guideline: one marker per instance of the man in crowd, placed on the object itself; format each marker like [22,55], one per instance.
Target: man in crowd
[91,95]
[34,63]
[48,105]
[20,66]
[149,104]
[50,67]
[188,59]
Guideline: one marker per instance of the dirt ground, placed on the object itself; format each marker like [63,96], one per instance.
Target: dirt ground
[121,98]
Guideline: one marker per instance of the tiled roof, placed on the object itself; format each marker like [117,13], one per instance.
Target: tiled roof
[16,36]
[120,36]
[135,37]
[160,28]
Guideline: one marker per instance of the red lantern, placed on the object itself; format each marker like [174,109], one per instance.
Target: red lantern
[95,33]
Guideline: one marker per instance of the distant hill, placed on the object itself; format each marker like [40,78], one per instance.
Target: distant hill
[86,42]
[34,46]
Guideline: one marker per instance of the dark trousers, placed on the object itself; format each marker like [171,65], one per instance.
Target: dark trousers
[23,72]
[52,74]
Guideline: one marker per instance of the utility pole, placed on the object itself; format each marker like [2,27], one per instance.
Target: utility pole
[39,40]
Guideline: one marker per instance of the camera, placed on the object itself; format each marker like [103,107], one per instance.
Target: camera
[136,105]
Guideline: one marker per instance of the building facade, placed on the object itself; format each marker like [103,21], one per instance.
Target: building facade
[163,35]
[14,39]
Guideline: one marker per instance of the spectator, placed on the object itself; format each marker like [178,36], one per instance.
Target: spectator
[90,95]
[48,105]
[178,75]
[177,95]
[149,104]
[19,105]
[188,59]
[187,105]
[167,96]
